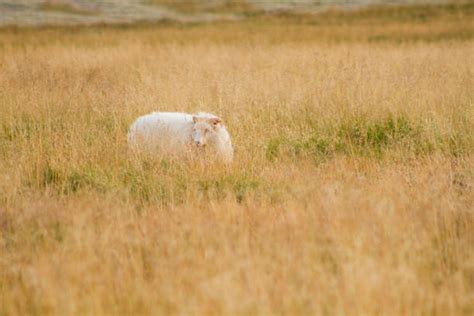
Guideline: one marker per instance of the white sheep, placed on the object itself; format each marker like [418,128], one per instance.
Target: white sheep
[177,134]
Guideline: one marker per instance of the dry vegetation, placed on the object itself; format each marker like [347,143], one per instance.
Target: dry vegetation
[351,193]
[203,6]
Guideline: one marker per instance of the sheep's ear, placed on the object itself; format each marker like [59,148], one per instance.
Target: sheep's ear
[215,121]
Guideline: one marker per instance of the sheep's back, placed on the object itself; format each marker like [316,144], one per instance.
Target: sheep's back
[161,131]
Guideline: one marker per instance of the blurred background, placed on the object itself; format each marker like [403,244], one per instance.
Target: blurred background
[76,12]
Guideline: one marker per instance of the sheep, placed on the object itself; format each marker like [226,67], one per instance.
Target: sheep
[178,134]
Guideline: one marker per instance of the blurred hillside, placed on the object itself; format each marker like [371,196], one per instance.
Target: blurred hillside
[74,12]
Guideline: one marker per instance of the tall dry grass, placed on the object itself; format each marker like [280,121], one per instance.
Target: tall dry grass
[351,193]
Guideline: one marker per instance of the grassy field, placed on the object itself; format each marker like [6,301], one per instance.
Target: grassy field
[351,192]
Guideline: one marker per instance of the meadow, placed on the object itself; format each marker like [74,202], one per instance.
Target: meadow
[351,192]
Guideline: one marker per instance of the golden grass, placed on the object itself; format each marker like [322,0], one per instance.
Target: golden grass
[199,6]
[64,7]
[351,193]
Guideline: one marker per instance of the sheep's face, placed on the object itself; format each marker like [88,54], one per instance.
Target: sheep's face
[205,128]
[202,133]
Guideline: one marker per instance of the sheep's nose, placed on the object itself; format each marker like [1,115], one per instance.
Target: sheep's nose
[200,144]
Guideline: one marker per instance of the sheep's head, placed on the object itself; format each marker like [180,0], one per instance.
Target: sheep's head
[208,118]
[205,128]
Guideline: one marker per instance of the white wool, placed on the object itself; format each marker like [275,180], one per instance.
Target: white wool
[177,134]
